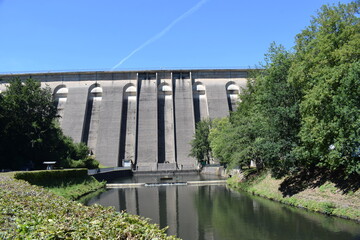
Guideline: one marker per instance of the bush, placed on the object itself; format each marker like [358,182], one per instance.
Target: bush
[41,177]
[89,162]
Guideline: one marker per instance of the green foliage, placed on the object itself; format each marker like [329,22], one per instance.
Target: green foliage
[50,177]
[327,65]
[69,183]
[276,112]
[219,138]
[301,109]
[29,132]
[200,145]
[35,213]
[76,188]
[265,125]
[27,115]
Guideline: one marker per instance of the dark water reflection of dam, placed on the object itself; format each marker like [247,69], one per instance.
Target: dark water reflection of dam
[215,212]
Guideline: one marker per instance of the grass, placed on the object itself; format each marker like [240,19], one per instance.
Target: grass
[71,183]
[76,188]
[325,198]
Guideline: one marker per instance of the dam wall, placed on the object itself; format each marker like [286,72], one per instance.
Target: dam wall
[147,117]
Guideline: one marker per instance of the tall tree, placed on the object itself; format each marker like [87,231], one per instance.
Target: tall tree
[29,114]
[266,123]
[29,133]
[327,64]
[277,102]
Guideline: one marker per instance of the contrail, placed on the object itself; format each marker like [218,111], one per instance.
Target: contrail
[163,32]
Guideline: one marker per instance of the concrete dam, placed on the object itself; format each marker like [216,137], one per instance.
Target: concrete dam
[147,117]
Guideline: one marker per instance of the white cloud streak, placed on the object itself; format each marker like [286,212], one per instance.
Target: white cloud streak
[163,32]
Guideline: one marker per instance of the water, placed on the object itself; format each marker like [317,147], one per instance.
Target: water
[215,212]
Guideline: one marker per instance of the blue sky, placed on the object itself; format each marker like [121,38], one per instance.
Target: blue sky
[79,35]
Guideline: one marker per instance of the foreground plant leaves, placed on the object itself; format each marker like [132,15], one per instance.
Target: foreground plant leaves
[31,212]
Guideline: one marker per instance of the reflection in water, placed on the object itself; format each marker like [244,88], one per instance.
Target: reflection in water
[215,212]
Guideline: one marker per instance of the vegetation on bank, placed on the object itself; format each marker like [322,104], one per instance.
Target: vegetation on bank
[301,109]
[32,212]
[299,119]
[30,133]
[322,196]
[70,183]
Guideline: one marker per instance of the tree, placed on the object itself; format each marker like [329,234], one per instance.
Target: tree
[200,145]
[326,64]
[218,138]
[265,125]
[277,105]
[302,109]
[29,133]
[28,113]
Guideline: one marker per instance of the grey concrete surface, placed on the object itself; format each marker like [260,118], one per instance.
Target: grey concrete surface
[148,116]
[74,113]
[184,123]
[107,147]
[147,146]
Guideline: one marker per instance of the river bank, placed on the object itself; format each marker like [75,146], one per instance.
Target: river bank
[28,211]
[325,198]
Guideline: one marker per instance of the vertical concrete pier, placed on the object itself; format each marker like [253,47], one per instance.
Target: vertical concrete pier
[147,156]
[92,116]
[184,120]
[60,98]
[128,124]
[166,140]
[74,113]
[108,139]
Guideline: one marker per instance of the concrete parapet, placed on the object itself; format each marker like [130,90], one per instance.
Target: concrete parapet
[146,166]
[166,166]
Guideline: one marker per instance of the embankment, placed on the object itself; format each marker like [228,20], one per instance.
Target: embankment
[326,198]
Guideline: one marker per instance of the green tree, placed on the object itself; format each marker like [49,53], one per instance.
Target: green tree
[265,125]
[277,104]
[219,137]
[327,64]
[302,109]
[29,132]
[28,113]
[200,145]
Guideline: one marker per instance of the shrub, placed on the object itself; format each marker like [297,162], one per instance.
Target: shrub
[88,162]
[41,177]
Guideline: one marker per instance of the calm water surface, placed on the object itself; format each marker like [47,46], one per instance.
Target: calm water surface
[215,212]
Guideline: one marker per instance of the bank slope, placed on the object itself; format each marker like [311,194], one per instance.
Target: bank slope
[325,198]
